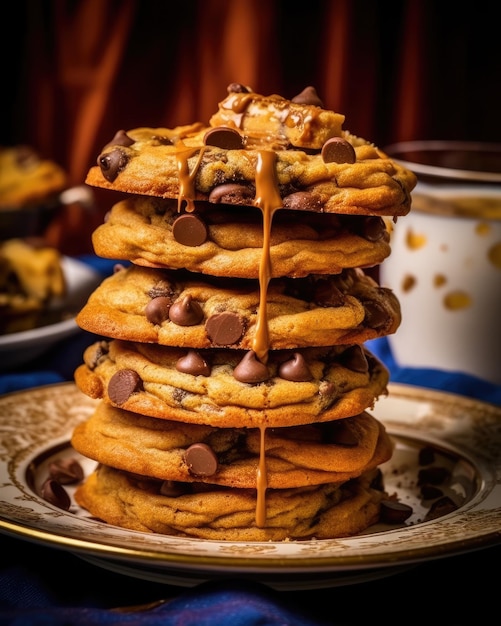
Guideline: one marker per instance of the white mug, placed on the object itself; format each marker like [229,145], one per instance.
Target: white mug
[445,261]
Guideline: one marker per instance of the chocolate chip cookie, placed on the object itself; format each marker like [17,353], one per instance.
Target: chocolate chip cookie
[232,388]
[179,308]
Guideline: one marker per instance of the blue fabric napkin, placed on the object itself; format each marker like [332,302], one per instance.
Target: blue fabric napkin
[236,603]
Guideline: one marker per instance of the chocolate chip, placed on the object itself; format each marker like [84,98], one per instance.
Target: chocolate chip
[96,353]
[157,309]
[377,482]
[224,137]
[394,512]
[355,359]
[426,455]
[162,288]
[162,140]
[308,96]
[193,363]
[303,201]
[295,369]
[341,434]
[112,164]
[121,138]
[56,494]
[375,315]
[189,230]
[118,267]
[232,193]
[186,312]
[201,460]
[251,370]
[224,329]
[122,385]
[327,294]
[430,492]
[373,228]
[338,150]
[66,471]
[441,507]
[238,88]
[433,475]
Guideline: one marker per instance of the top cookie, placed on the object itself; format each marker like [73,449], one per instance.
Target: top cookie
[259,150]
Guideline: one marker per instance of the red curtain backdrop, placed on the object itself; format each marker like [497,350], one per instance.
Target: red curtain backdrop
[79,70]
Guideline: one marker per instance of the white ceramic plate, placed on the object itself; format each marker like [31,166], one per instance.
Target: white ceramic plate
[465,435]
[19,348]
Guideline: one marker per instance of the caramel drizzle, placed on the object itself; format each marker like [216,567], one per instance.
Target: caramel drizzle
[186,179]
[268,199]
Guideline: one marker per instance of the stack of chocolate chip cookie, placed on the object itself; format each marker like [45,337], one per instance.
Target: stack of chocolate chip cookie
[233,378]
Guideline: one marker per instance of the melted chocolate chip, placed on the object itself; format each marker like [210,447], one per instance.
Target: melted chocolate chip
[193,363]
[224,137]
[373,228]
[355,359]
[238,88]
[201,460]
[303,201]
[162,288]
[224,329]
[340,434]
[122,385]
[308,96]
[157,309]
[66,471]
[56,494]
[327,294]
[338,150]
[121,138]
[295,369]
[112,164]
[162,140]
[232,193]
[186,312]
[375,316]
[394,512]
[190,230]
[99,350]
[251,370]
[378,481]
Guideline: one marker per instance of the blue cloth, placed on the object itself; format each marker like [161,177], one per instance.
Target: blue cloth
[441,380]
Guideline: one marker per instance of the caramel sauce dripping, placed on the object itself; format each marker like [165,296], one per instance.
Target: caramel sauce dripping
[186,180]
[268,199]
